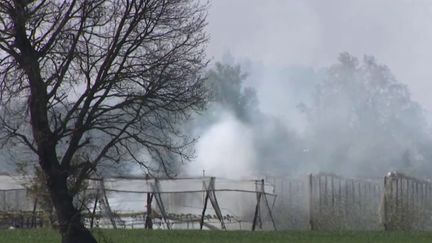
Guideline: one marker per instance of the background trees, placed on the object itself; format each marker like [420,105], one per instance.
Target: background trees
[236,137]
[227,88]
[113,76]
[353,118]
[362,118]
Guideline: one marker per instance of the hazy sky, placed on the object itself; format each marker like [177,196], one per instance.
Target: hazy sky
[312,32]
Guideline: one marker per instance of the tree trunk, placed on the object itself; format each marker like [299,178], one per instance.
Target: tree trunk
[71,228]
[148,219]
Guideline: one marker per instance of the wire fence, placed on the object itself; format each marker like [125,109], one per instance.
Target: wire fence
[181,203]
[328,202]
[338,203]
[18,208]
[315,202]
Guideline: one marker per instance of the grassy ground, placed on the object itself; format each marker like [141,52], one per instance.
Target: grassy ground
[138,236]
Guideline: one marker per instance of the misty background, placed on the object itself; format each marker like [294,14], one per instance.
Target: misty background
[310,86]
[333,86]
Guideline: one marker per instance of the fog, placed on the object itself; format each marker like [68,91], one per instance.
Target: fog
[281,110]
[312,33]
[287,49]
[227,141]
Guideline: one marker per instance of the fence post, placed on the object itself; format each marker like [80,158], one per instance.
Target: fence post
[159,202]
[214,202]
[33,219]
[310,202]
[94,209]
[268,205]
[205,205]
[106,204]
[388,200]
[257,208]
[385,209]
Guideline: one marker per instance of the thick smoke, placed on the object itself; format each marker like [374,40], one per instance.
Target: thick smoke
[226,149]
[237,139]
[353,118]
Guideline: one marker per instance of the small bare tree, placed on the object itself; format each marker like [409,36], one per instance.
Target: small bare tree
[114,76]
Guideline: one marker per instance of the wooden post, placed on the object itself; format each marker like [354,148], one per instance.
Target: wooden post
[214,202]
[411,193]
[421,200]
[159,202]
[427,195]
[204,209]
[404,207]
[4,202]
[398,201]
[360,196]
[17,207]
[387,194]
[417,198]
[257,207]
[33,219]
[408,196]
[326,197]
[347,211]
[429,198]
[333,207]
[414,190]
[311,206]
[384,205]
[268,206]
[106,204]
[260,188]
[370,193]
[340,204]
[353,192]
[319,195]
[94,209]
[332,193]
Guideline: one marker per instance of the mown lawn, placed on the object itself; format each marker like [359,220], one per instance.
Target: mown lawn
[139,236]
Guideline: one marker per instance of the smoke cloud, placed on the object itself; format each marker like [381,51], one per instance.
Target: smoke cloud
[312,112]
[353,118]
[225,149]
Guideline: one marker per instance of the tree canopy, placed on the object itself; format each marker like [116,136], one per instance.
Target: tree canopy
[112,76]
[226,86]
[362,116]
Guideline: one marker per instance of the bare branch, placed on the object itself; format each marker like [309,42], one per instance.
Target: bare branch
[99,82]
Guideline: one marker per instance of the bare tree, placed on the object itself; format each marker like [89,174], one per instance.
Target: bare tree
[111,75]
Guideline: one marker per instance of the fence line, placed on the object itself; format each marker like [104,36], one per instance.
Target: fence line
[326,201]
[320,201]
[171,197]
[18,209]
[407,203]
[338,203]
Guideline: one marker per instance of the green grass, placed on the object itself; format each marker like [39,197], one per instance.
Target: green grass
[140,236]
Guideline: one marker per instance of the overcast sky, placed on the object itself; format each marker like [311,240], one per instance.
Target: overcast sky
[312,32]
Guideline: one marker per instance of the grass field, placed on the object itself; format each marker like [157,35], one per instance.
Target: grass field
[140,236]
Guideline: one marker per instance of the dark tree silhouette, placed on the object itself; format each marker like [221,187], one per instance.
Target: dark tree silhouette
[226,85]
[110,75]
